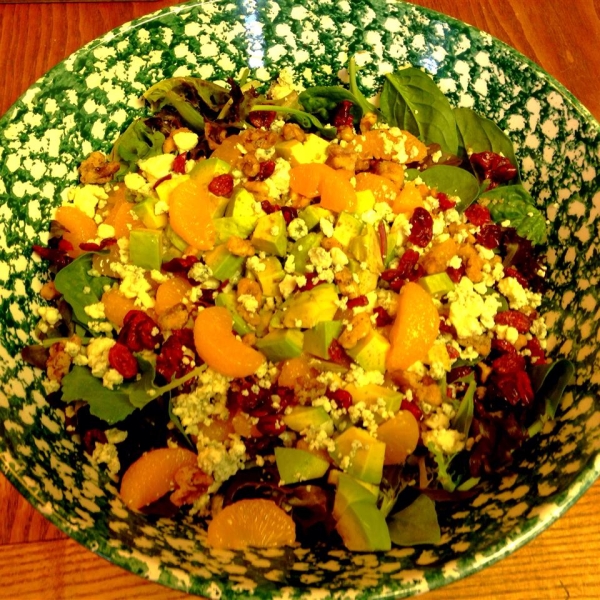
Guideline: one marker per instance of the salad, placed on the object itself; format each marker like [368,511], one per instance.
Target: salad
[298,315]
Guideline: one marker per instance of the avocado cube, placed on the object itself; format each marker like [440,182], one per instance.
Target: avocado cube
[365,200]
[165,188]
[370,352]
[437,284]
[347,228]
[226,227]
[269,273]
[301,248]
[145,211]
[304,417]
[350,490]
[175,239]
[228,300]
[367,280]
[365,248]
[270,234]
[308,308]
[318,339]
[366,454]
[223,264]
[281,345]
[312,150]
[372,393]
[325,366]
[296,465]
[244,209]
[284,149]
[145,248]
[205,171]
[334,476]
[313,214]
[362,528]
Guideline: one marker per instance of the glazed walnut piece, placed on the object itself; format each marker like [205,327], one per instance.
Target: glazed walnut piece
[97,169]
[191,484]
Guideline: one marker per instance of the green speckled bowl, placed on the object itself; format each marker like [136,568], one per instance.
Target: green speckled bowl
[83,103]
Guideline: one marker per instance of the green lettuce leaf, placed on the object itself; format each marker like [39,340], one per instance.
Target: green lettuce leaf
[415,524]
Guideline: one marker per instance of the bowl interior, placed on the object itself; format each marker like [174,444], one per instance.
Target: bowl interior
[84,102]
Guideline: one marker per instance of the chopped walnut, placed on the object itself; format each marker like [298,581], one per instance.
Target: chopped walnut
[249,339]
[348,287]
[482,344]
[485,371]
[258,138]
[97,169]
[249,165]
[173,318]
[359,328]
[214,134]
[346,134]
[366,123]
[49,291]
[391,170]
[292,131]
[342,158]
[247,287]
[436,260]
[473,262]
[58,363]
[240,247]
[191,483]
[329,243]
[259,189]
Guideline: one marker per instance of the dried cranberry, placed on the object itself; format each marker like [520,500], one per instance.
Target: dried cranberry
[289,214]
[107,242]
[312,281]
[342,116]
[271,425]
[459,373]
[342,398]
[456,274]
[179,265]
[447,327]
[383,318]
[159,181]
[412,408]
[478,214]
[65,245]
[452,351]
[58,258]
[503,346]
[493,167]
[538,356]
[221,185]
[421,231]
[122,360]
[338,355]
[139,332]
[179,164]
[359,301]
[90,437]
[88,246]
[265,169]
[514,318]
[262,118]
[490,236]
[508,363]
[512,272]
[407,269]
[382,235]
[513,387]
[268,207]
[445,202]
[169,362]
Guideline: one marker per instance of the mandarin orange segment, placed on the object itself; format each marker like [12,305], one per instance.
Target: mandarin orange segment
[382,144]
[116,306]
[415,328]
[229,150]
[218,430]
[384,189]
[400,434]
[170,293]
[243,425]
[218,346]
[254,523]
[337,193]
[152,475]
[408,199]
[294,369]
[122,218]
[305,179]
[81,228]
[190,214]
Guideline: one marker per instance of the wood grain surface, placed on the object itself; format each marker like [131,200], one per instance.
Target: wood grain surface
[39,562]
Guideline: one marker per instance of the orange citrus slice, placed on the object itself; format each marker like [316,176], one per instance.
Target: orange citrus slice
[255,522]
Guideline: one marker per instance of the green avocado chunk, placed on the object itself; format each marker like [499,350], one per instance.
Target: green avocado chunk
[362,528]
[226,227]
[296,465]
[365,454]
[370,352]
[305,417]
[346,228]
[306,309]
[437,284]
[244,209]
[313,214]
[175,239]
[301,248]
[146,248]
[227,300]
[318,339]
[365,249]
[270,234]
[350,490]
[223,264]
[145,211]
[281,345]
[269,273]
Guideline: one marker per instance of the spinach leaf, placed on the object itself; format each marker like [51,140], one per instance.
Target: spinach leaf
[411,100]
[549,383]
[79,288]
[479,134]
[321,101]
[359,97]
[415,524]
[306,120]
[466,409]
[138,141]
[111,406]
[453,181]
[515,204]
[190,90]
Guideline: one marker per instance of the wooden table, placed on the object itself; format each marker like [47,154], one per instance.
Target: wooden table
[38,561]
